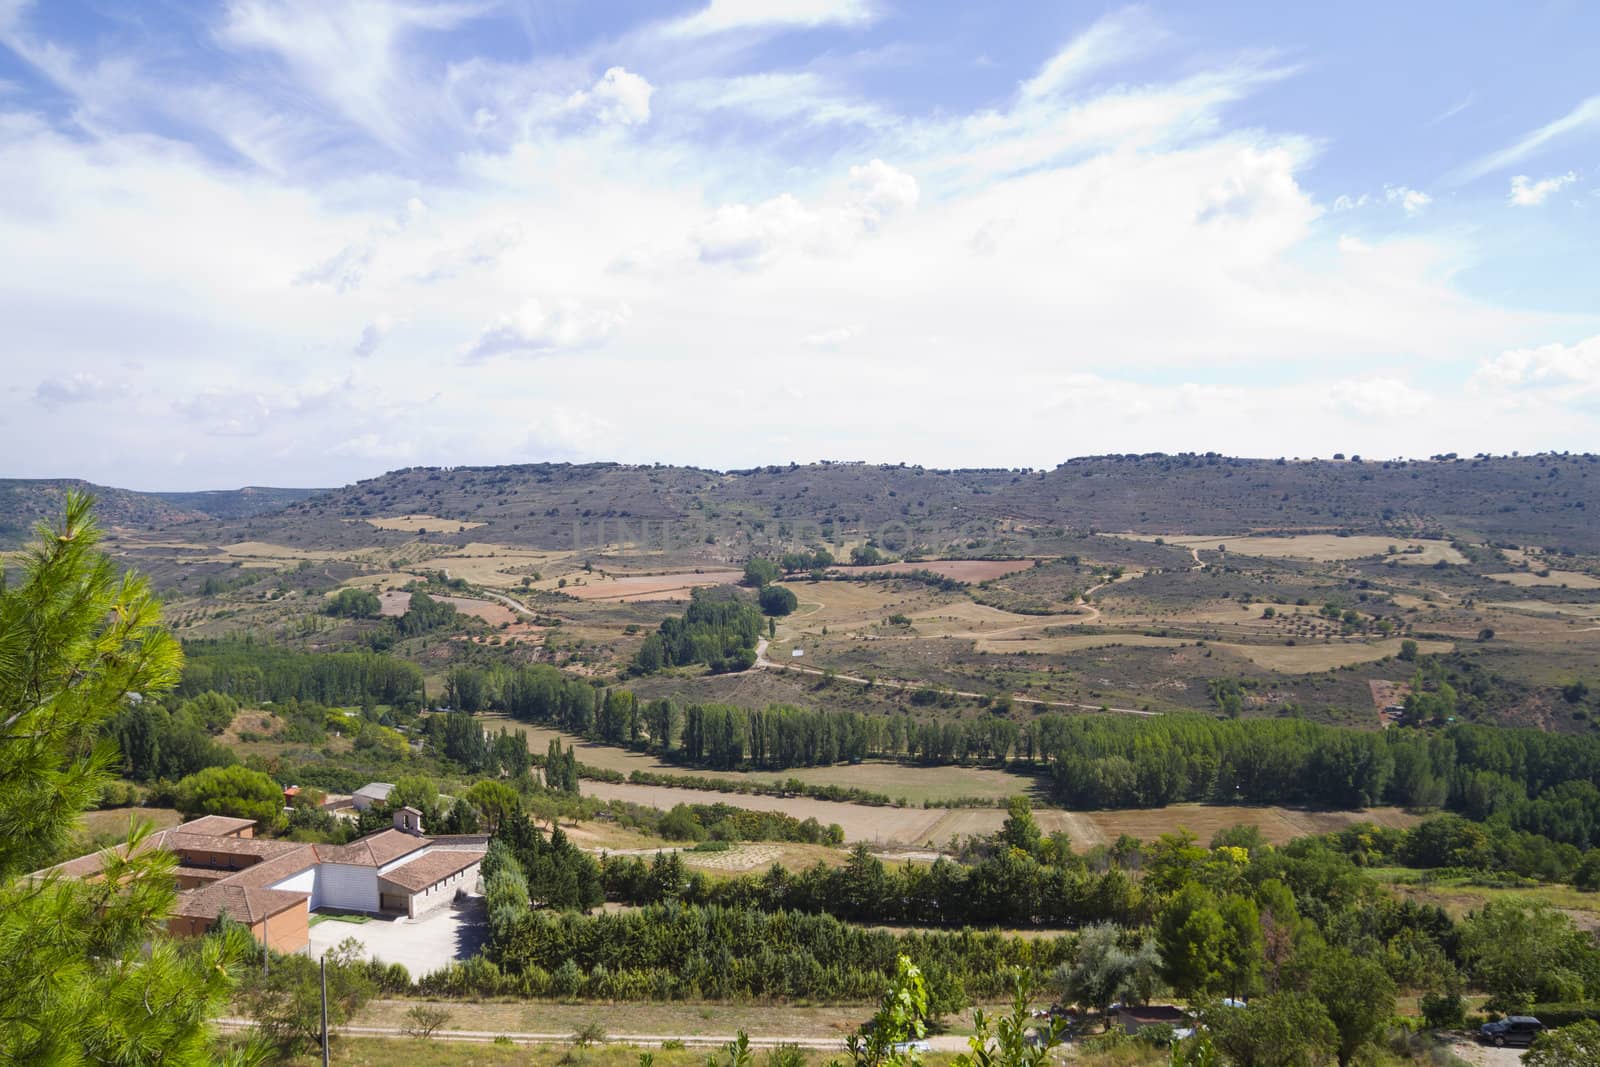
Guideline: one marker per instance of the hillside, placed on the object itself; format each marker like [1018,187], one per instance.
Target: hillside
[237,503]
[1539,500]
[26,501]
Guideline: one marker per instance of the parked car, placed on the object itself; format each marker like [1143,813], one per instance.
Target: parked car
[1512,1030]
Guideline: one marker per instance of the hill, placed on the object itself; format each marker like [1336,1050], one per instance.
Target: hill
[237,503]
[26,501]
[1538,500]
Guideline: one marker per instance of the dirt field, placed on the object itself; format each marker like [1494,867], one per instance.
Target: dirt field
[1321,547]
[419,523]
[860,822]
[916,784]
[646,586]
[960,570]
[1314,658]
[492,612]
[934,828]
[1567,579]
[1074,643]
[1277,824]
[1547,607]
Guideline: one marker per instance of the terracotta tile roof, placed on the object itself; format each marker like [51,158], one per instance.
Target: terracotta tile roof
[374,850]
[429,869]
[245,903]
[276,869]
[215,825]
[176,841]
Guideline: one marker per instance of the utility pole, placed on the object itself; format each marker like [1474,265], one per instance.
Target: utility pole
[324,1010]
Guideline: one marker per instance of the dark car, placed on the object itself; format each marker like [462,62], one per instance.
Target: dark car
[1512,1030]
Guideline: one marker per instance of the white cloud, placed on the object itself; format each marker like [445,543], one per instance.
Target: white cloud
[1381,397]
[1353,245]
[720,16]
[1585,115]
[753,234]
[1411,200]
[535,330]
[619,96]
[1528,193]
[832,339]
[372,336]
[1552,366]
[78,388]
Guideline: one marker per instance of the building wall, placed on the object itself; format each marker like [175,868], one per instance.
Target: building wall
[347,887]
[289,931]
[304,882]
[441,892]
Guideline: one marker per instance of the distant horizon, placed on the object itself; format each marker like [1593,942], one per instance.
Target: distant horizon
[1344,458]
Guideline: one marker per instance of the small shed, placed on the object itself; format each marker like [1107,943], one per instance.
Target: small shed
[1133,1019]
[370,794]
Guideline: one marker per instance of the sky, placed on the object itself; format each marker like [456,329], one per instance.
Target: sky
[293,242]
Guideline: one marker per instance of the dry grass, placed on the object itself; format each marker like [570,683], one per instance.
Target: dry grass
[115,820]
[860,822]
[961,570]
[1323,548]
[1567,579]
[1075,643]
[1315,658]
[645,1017]
[1546,607]
[624,588]
[915,784]
[1278,824]
[418,523]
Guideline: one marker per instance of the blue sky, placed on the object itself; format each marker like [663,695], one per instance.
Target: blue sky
[293,242]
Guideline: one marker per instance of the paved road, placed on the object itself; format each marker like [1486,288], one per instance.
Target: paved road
[425,944]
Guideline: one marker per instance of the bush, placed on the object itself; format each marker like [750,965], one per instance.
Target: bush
[236,791]
[423,1019]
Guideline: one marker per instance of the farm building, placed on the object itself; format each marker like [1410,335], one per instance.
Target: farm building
[370,794]
[273,886]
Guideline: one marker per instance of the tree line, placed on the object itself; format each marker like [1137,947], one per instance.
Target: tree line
[253,673]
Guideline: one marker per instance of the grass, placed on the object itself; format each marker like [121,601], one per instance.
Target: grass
[1315,658]
[115,820]
[1458,895]
[339,917]
[916,784]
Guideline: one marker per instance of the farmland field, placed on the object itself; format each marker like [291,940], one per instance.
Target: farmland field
[1322,548]
[647,586]
[961,570]
[915,784]
[1567,579]
[420,523]
[1309,658]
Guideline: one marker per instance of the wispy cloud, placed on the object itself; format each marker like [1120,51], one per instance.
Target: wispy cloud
[1113,39]
[721,16]
[1584,116]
